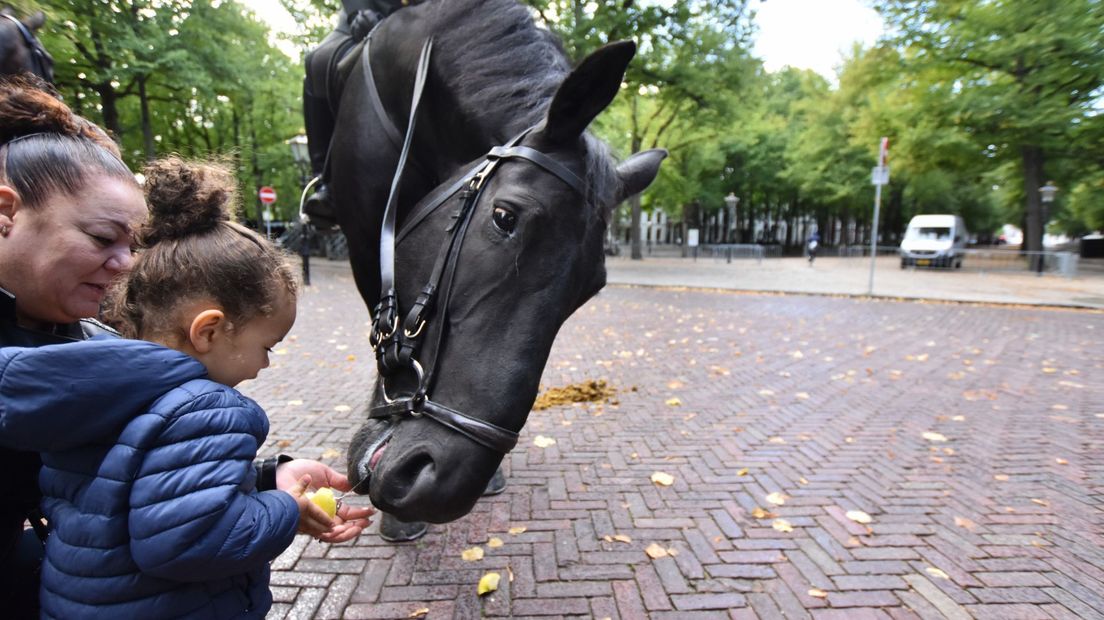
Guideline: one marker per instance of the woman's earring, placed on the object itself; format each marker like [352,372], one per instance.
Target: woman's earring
[4,230]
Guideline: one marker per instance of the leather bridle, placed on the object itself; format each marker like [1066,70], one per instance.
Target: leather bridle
[38,53]
[422,332]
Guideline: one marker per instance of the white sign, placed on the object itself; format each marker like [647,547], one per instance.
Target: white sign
[267,215]
[879,175]
[692,237]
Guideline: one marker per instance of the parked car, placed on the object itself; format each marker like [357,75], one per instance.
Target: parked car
[934,241]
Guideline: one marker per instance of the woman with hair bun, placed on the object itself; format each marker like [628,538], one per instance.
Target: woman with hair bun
[69,207]
[162,516]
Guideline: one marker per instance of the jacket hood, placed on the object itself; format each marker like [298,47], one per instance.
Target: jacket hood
[59,396]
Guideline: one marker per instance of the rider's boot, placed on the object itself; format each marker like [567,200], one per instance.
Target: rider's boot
[320,209]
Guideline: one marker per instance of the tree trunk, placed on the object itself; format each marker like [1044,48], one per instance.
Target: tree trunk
[634,202]
[109,103]
[1033,179]
[147,128]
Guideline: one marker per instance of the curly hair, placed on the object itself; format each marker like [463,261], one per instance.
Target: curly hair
[193,250]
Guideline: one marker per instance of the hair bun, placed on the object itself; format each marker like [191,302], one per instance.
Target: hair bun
[187,198]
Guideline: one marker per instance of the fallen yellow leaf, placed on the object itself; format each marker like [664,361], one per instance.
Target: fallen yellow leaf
[802,480]
[802,396]
[759,513]
[517,529]
[472,555]
[622,538]
[1000,477]
[964,522]
[859,516]
[330,453]
[663,479]
[343,408]
[1041,502]
[655,551]
[674,402]
[742,472]
[1061,461]
[818,593]
[495,543]
[488,583]
[776,498]
[959,418]
[930,436]
[294,403]
[782,525]
[776,440]
[418,613]
[935,572]
[541,441]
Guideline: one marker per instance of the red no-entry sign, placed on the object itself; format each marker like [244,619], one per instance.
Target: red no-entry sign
[267,195]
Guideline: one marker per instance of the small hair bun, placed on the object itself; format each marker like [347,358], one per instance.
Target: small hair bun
[187,198]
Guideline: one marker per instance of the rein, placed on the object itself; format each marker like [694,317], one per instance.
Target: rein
[395,344]
[34,46]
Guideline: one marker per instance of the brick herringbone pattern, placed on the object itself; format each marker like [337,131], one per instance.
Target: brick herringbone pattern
[824,400]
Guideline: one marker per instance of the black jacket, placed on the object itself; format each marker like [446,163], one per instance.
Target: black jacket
[19,496]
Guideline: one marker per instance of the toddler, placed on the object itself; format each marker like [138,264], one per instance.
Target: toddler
[160,516]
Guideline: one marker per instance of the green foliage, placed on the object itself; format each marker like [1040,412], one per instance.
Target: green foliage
[963,90]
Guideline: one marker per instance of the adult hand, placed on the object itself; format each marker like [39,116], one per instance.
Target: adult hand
[350,521]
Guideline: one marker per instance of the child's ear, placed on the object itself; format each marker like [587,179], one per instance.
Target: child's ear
[205,328]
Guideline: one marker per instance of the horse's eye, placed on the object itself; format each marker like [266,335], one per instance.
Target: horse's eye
[505,220]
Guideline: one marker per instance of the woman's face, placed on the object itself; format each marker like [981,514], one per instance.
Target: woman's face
[59,257]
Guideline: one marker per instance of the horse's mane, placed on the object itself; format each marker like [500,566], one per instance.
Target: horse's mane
[500,65]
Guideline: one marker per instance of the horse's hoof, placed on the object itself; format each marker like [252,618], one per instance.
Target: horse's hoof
[393,530]
[497,483]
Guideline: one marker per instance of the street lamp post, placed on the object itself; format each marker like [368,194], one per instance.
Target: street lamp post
[731,201]
[301,155]
[1047,193]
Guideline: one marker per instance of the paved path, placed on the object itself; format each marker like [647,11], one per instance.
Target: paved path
[851,276]
[971,435]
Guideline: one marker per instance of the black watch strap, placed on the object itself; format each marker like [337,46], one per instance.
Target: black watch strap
[266,471]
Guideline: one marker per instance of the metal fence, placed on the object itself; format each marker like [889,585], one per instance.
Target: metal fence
[983,260]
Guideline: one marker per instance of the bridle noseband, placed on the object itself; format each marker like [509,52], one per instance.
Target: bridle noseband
[38,53]
[397,343]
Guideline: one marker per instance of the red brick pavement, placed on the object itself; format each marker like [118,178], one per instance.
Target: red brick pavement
[824,400]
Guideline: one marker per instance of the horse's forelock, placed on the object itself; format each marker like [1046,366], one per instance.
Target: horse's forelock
[503,68]
[496,60]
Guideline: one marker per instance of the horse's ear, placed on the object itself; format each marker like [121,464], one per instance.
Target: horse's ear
[587,91]
[34,22]
[638,171]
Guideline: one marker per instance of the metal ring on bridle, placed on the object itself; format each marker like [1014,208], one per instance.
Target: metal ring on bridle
[419,392]
[421,326]
[380,337]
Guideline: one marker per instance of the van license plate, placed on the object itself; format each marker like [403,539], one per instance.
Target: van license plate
[923,262]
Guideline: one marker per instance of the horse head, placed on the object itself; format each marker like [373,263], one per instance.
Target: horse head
[507,247]
[20,50]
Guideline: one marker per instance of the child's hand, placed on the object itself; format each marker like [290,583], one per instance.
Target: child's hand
[312,519]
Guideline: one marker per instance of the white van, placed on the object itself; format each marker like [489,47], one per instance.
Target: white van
[934,241]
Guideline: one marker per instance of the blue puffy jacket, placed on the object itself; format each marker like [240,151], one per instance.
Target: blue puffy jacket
[154,511]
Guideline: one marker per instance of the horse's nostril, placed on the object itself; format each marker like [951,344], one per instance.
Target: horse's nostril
[414,471]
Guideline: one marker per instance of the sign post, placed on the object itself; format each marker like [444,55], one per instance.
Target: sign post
[267,196]
[879,176]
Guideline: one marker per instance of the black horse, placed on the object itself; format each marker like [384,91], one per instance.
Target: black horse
[529,231]
[20,50]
